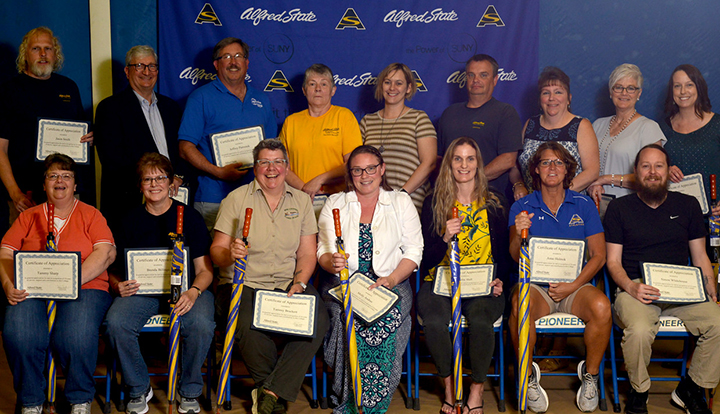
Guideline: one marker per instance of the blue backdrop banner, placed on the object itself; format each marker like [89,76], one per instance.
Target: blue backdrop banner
[356,39]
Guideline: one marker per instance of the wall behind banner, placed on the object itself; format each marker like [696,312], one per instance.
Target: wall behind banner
[586,39]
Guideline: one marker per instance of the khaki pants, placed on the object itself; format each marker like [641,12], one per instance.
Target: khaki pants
[641,323]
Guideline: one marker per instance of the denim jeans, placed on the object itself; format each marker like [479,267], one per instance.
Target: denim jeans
[126,318]
[74,344]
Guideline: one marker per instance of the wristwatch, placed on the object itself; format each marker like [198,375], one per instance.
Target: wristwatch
[197,288]
[303,285]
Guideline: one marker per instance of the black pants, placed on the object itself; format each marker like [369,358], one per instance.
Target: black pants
[282,374]
[480,314]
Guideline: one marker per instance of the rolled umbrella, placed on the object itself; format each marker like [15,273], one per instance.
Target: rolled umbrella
[524,353]
[50,246]
[238,282]
[349,317]
[456,317]
[176,273]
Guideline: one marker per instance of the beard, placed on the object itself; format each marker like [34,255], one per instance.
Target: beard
[653,193]
[43,71]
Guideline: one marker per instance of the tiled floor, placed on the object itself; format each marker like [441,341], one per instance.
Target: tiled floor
[561,392]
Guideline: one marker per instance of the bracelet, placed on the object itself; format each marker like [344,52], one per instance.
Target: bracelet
[612,180]
[621,180]
[198,289]
[516,184]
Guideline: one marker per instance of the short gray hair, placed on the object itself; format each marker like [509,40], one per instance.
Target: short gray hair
[140,51]
[272,144]
[625,70]
[319,69]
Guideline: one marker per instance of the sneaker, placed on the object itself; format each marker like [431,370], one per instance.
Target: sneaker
[537,399]
[80,408]
[265,402]
[189,406]
[691,397]
[636,402]
[587,396]
[32,410]
[138,405]
[254,395]
[279,407]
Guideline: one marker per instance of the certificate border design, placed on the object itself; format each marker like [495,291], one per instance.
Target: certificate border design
[74,258]
[559,241]
[257,309]
[491,274]
[58,122]
[367,319]
[132,252]
[183,195]
[704,206]
[647,268]
[216,135]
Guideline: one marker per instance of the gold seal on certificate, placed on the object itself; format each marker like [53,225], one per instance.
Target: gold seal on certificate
[56,135]
[368,305]
[692,185]
[474,280]
[275,311]
[677,284]
[151,268]
[555,260]
[182,195]
[236,146]
[48,275]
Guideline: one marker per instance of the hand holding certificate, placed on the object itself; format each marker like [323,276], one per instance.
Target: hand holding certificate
[151,268]
[236,146]
[368,305]
[48,275]
[677,284]
[62,137]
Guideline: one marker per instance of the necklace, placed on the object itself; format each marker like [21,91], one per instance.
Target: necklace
[382,128]
[554,212]
[607,133]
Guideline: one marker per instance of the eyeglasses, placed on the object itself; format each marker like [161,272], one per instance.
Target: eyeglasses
[558,163]
[227,56]
[369,170]
[280,162]
[63,177]
[140,67]
[630,89]
[160,179]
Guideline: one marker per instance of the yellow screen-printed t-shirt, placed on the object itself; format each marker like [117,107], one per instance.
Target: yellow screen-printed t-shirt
[473,239]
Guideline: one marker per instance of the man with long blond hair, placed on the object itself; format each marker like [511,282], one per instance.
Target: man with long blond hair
[36,92]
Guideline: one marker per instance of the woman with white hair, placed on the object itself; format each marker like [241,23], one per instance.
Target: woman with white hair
[621,136]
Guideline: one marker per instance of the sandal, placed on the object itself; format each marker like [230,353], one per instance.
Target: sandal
[470,410]
[554,364]
[452,408]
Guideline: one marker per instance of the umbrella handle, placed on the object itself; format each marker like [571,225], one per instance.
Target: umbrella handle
[524,232]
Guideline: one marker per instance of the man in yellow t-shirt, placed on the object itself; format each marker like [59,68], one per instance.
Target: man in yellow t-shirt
[319,140]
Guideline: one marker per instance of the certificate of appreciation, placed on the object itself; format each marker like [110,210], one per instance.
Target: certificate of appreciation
[48,275]
[276,312]
[64,137]
[151,268]
[693,185]
[368,305]
[677,284]
[235,146]
[474,280]
[182,195]
[555,260]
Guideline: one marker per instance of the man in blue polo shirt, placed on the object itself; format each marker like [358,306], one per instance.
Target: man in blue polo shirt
[224,104]
[553,210]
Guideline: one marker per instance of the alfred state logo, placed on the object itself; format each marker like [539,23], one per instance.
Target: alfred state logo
[419,82]
[278,81]
[491,18]
[207,15]
[350,20]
